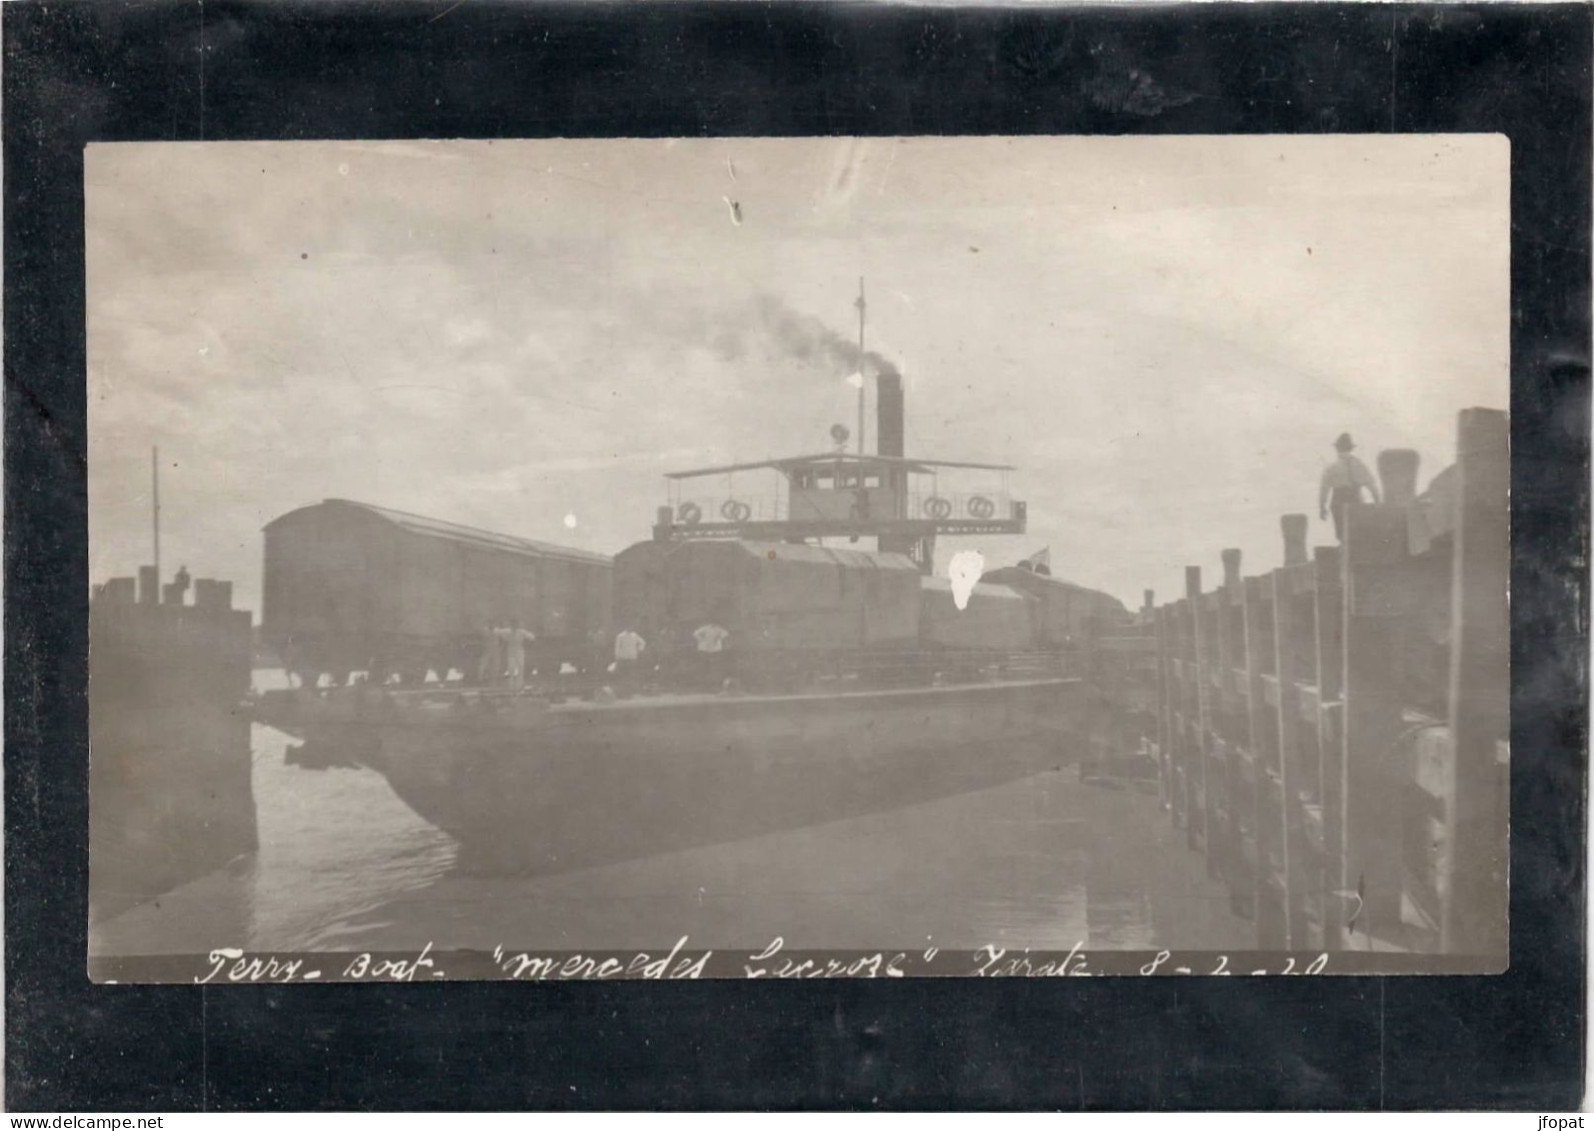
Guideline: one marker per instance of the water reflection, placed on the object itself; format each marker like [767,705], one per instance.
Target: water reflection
[1042,863]
[332,845]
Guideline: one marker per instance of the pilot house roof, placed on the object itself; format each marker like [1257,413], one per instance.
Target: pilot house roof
[786,552]
[838,459]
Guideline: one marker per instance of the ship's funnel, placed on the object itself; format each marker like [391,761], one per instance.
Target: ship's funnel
[888,413]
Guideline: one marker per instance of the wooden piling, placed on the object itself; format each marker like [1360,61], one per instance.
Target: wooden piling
[1288,769]
[1200,747]
[1182,698]
[1226,743]
[1397,471]
[1474,868]
[1329,614]
[1231,569]
[1375,600]
[1166,735]
[1294,528]
[1269,933]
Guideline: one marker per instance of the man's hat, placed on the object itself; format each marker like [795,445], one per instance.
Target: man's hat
[1344,443]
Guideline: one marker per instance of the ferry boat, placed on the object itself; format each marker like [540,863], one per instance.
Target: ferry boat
[850,681]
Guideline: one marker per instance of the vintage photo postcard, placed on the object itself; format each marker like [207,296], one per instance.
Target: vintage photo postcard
[800,557]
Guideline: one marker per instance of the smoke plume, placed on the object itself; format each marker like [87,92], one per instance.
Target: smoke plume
[808,341]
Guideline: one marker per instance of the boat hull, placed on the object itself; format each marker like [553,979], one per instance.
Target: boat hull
[528,788]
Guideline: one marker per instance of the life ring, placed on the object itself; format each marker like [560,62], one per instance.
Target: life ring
[690,513]
[734,510]
[937,507]
[981,507]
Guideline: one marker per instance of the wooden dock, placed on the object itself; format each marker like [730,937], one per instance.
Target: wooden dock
[1332,734]
[170,771]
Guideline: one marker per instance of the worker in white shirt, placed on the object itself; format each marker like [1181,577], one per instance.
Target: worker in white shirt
[1343,481]
[491,668]
[515,639]
[628,649]
[711,654]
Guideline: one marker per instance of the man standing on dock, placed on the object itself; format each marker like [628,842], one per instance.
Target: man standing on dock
[1342,484]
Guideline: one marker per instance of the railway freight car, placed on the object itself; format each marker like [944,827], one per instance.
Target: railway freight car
[796,610]
[773,597]
[995,618]
[352,587]
[1065,613]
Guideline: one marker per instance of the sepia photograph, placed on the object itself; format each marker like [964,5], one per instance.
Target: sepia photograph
[798,557]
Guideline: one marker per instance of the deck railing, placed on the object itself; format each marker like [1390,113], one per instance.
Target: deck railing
[1332,734]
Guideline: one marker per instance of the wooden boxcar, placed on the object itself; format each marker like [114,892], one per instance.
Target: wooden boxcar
[771,596]
[353,587]
[994,619]
[1065,613]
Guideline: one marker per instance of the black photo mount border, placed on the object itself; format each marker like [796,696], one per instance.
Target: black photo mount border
[78,73]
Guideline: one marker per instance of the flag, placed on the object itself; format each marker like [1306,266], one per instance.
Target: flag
[1039,562]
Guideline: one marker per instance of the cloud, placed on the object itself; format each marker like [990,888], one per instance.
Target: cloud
[505,334]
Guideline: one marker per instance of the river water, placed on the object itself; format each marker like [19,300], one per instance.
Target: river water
[1046,862]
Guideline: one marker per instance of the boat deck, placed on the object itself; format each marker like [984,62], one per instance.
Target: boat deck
[331,698]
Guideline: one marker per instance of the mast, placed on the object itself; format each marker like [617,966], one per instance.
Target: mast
[155,488]
[862,380]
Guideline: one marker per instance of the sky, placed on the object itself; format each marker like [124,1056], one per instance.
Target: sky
[1163,335]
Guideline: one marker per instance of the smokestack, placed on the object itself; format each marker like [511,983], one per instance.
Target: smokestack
[888,414]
